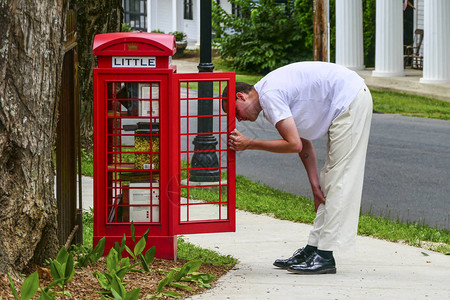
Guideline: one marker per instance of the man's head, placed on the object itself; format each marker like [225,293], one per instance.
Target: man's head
[247,102]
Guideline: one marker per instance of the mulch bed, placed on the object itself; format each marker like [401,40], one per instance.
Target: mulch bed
[84,285]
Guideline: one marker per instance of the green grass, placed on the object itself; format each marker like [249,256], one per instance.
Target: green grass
[410,105]
[411,233]
[189,251]
[87,160]
[261,199]
[250,79]
[88,228]
[87,163]
[207,194]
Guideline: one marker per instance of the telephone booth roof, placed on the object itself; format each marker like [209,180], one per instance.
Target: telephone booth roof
[134,43]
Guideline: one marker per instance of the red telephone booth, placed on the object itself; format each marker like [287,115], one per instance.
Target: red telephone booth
[145,123]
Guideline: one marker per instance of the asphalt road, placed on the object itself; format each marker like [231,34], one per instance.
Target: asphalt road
[407,175]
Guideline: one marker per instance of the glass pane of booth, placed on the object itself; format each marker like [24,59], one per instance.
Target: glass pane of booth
[133,152]
[204,159]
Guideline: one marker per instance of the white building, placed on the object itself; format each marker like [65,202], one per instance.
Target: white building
[168,16]
[429,15]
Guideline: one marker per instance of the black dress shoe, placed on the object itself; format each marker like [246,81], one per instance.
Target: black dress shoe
[298,257]
[315,264]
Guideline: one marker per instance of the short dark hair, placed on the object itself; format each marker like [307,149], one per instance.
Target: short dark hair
[241,87]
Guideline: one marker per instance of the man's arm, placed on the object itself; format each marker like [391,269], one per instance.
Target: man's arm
[290,143]
[309,160]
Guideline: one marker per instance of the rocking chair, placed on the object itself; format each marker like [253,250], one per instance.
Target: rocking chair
[412,55]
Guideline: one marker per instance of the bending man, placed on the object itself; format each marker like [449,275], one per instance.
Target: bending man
[305,101]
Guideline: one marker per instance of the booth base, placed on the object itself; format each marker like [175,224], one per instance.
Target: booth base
[165,246]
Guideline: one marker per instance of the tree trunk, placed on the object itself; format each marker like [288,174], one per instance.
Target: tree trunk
[30,73]
[320,31]
[94,17]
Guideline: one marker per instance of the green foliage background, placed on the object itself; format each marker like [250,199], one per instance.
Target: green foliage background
[267,35]
[369,32]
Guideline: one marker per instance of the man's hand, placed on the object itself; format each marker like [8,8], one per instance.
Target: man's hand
[238,141]
[319,198]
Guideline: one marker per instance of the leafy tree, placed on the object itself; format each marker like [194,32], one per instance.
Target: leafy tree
[305,17]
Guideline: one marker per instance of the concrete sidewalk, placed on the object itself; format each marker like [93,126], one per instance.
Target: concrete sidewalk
[374,269]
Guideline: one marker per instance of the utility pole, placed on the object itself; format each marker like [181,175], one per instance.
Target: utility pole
[205,141]
[321,41]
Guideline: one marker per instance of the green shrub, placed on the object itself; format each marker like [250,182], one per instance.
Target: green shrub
[369,32]
[266,36]
[179,35]
[126,28]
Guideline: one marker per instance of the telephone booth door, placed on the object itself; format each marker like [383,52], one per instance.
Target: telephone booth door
[202,207]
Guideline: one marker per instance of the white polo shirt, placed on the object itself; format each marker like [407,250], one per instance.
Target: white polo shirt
[313,93]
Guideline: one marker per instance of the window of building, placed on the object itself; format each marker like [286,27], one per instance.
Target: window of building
[188,11]
[135,14]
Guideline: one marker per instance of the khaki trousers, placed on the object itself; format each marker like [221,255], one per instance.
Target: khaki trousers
[341,178]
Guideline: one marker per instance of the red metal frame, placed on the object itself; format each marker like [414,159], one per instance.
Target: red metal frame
[123,170]
[221,224]
[107,170]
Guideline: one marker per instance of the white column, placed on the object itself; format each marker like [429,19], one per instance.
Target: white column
[197,22]
[349,34]
[389,38]
[436,44]
[174,15]
[149,13]
[327,5]
[152,15]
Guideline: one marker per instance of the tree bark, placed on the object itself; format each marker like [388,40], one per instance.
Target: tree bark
[31,52]
[94,17]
